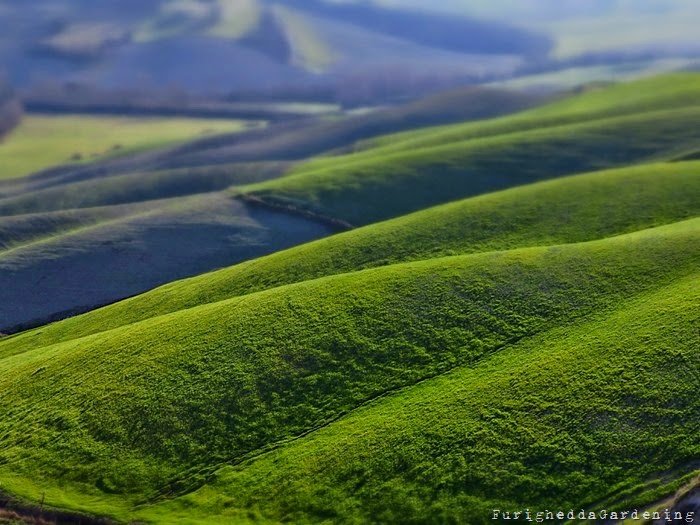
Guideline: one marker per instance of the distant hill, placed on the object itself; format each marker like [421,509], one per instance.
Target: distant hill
[269,47]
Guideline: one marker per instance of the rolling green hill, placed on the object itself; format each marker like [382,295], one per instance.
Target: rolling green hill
[664,92]
[156,407]
[623,124]
[385,186]
[85,265]
[569,210]
[299,140]
[552,422]
[514,325]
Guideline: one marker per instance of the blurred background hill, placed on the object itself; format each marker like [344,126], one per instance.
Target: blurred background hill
[352,53]
[10,109]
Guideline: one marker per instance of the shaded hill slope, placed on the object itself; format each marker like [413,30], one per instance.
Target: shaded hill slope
[52,221]
[385,186]
[296,140]
[304,140]
[177,397]
[573,209]
[61,271]
[33,196]
[663,92]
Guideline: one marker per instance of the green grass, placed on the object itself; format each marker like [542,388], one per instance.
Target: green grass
[44,141]
[568,210]
[534,347]
[642,121]
[368,188]
[663,92]
[155,407]
[552,422]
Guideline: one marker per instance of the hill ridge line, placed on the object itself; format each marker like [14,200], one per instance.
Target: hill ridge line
[73,231]
[334,276]
[254,200]
[262,451]
[393,150]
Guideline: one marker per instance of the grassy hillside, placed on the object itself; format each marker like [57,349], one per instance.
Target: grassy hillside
[574,209]
[44,141]
[301,140]
[293,140]
[84,263]
[371,188]
[155,407]
[662,92]
[537,425]
[532,347]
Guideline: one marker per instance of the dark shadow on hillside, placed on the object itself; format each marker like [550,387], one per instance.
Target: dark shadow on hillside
[96,266]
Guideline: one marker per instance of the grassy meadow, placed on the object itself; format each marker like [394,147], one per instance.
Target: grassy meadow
[43,141]
[510,321]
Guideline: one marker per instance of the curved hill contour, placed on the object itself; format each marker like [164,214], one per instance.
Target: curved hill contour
[178,397]
[568,210]
[533,347]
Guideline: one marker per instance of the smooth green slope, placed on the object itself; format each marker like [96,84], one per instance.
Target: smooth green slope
[388,186]
[152,408]
[572,209]
[661,92]
[599,415]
